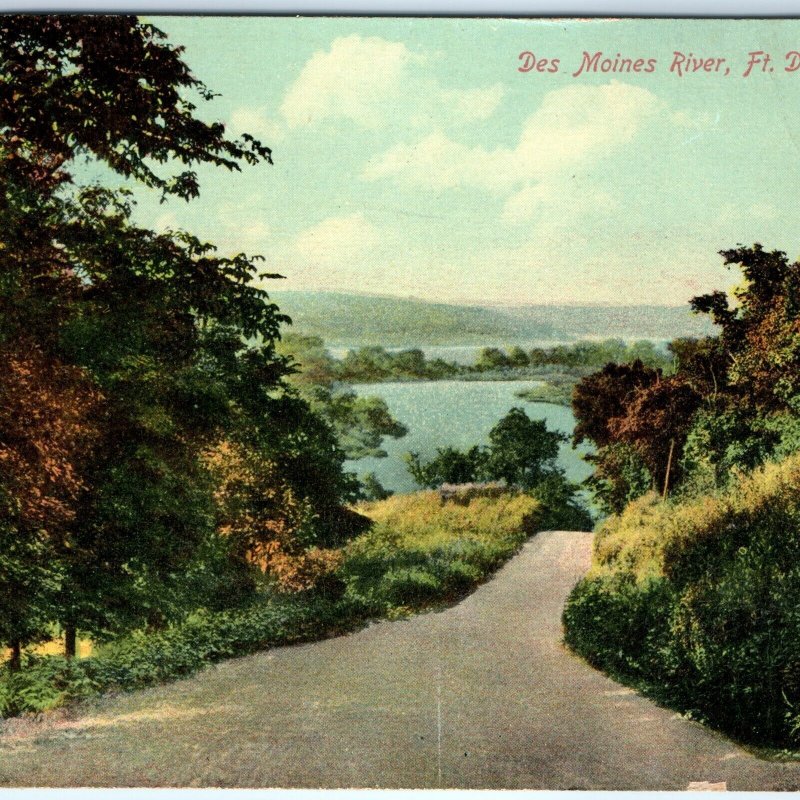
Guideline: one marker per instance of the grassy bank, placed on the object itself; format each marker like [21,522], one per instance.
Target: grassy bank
[419,552]
[556,390]
[695,602]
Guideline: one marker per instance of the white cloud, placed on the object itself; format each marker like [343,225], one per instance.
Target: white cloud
[438,162]
[337,240]
[350,80]
[256,122]
[373,82]
[573,125]
[478,103]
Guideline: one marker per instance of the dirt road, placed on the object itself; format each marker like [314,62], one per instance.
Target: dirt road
[482,695]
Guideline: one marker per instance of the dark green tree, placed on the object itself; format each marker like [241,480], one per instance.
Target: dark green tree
[179,340]
[449,465]
[522,451]
[492,358]
[518,357]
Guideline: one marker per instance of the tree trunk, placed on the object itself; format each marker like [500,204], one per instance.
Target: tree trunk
[669,467]
[70,641]
[16,656]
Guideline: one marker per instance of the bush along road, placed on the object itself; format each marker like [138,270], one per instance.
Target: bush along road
[481,695]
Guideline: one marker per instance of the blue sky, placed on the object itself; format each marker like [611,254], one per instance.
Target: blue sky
[412,158]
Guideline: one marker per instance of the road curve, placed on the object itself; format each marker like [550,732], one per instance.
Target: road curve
[482,695]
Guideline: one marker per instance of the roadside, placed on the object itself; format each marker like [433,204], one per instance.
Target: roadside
[481,695]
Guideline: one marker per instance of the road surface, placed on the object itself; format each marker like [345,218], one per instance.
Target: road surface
[481,695]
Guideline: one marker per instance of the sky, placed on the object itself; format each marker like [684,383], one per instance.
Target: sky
[413,158]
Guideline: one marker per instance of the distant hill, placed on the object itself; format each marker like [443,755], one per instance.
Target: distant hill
[356,320]
[626,322]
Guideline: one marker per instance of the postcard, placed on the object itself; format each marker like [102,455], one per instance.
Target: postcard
[395,402]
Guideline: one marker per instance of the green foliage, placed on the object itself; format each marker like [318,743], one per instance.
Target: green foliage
[598,354]
[729,400]
[133,311]
[372,364]
[785,428]
[521,453]
[359,423]
[521,450]
[620,476]
[418,552]
[422,550]
[110,86]
[517,357]
[492,358]
[410,586]
[449,465]
[373,489]
[29,578]
[175,342]
[721,443]
[146,659]
[559,505]
[695,601]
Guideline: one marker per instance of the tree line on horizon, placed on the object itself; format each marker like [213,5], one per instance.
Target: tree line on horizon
[374,363]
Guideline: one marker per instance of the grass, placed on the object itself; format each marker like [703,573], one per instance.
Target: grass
[695,602]
[557,394]
[420,552]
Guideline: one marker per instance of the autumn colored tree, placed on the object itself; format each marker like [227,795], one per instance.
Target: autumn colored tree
[177,340]
[48,425]
[266,523]
[604,396]
[734,396]
[656,421]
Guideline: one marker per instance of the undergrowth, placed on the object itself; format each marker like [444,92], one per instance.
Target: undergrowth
[419,552]
[695,601]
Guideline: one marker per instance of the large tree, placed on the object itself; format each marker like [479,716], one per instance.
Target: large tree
[734,397]
[48,427]
[603,396]
[177,340]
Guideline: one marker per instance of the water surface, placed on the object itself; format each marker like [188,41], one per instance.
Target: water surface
[460,414]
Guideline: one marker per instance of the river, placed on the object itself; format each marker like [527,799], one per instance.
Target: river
[456,413]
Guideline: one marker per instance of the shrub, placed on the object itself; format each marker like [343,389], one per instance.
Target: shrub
[410,586]
[422,550]
[418,552]
[144,659]
[697,602]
